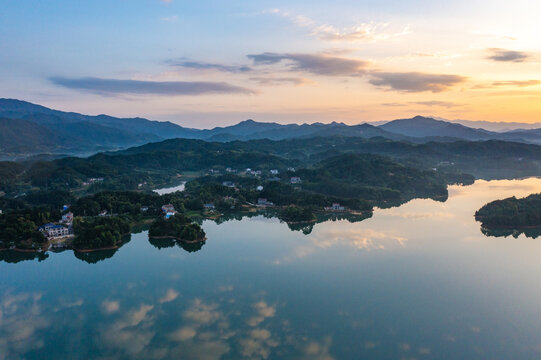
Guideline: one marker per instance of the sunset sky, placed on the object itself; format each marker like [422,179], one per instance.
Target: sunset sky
[206,63]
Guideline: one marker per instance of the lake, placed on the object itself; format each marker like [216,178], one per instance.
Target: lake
[170,190]
[419,281]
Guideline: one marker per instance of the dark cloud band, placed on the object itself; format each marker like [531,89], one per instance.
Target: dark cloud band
[199,65]
[116,86]
[319,64]
[445,104]
[415,81]
[504,55]
[518,83]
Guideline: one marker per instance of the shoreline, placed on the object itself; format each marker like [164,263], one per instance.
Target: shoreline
[99,249]
[179,239]
[29,250]
[529,227]
[301,222]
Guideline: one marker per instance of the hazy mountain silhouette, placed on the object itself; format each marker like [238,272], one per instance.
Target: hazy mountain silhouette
[29,129]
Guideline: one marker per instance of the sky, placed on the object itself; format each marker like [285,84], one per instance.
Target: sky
[209,63]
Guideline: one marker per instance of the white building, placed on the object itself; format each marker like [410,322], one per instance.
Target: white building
[167,208]
[67,218]
[53,231]
[264,202]
[228,184]
[295,180]
[336,207]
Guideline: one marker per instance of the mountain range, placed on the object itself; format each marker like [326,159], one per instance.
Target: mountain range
[28,129]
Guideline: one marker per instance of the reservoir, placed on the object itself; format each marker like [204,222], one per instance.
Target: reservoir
[419,281]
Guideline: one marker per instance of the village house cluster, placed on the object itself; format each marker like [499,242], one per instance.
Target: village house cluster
[262,202]
[63,228]
[335,207]
[247,171]
[295,180]
[169,211]
[93,181]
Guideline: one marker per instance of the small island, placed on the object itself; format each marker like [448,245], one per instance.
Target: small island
[177,227]
[511,213]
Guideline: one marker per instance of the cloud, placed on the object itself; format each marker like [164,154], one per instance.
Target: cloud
[130,334]
[201,313]
[183,334]
[297,81]
[299,20]
[110,307]
[415,81]
[446,104]
[360,32]
[263,311]
[23,325]
[169,296]
[318,351]
[136,316]
[319,64]
[200,65]
[518,83]
[257,344]
[366,32]
[347,236]
[423,215]
[504,55]
[117,86]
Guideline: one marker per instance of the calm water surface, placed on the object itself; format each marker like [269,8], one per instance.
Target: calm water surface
[170,190]
[419,282]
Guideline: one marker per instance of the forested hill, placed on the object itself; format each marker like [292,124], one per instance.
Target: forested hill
[161,162]
[484,159]
[371,177]
[511,213]
[127,171]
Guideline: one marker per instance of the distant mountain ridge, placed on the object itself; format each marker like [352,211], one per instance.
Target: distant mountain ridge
[423,127]
[29,129]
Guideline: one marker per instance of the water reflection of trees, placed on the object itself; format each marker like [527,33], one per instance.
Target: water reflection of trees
[388,204]
[305,227]
[533,233]
[169,243]
[162,243]
[94,257]
[191,247]
[13,257]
